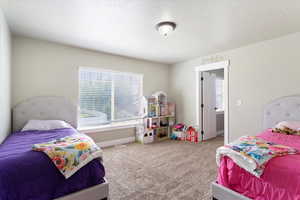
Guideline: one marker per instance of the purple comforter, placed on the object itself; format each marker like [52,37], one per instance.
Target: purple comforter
[31,175]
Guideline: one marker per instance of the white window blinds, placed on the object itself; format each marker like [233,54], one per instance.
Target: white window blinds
[108,96]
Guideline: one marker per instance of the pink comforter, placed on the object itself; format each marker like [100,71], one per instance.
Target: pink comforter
[281,177]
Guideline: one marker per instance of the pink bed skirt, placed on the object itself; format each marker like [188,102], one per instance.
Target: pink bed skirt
[281,177]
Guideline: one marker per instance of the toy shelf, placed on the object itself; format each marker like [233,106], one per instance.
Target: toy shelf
[163,116]
[161,126]
[159,118]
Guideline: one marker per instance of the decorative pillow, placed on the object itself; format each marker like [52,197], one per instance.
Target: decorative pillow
[295,125]
[42,125]
[286,130]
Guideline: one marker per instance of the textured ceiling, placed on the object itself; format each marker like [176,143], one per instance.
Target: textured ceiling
[127,27]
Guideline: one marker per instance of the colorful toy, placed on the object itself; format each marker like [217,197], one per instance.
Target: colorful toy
[179,126]
[192,135]
[178,132]
[173,136]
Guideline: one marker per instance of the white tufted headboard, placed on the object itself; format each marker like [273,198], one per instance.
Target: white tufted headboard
[282,109]
[44,108]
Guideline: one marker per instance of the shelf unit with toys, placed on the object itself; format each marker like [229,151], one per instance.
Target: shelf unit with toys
[159,119]
[161,126]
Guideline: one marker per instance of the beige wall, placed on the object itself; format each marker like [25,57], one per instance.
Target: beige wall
[45,68]
[258,74]
[5,88]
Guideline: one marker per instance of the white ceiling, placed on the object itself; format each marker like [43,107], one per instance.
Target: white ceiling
[127,27]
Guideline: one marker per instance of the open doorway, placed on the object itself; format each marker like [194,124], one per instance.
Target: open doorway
[212,100]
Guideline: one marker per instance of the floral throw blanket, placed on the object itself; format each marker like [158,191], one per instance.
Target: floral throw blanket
[70,153]
[252,153]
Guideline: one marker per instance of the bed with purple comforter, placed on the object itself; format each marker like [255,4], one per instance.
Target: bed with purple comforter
[31,175]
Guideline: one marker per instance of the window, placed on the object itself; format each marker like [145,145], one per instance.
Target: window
[219,94]
[108,96]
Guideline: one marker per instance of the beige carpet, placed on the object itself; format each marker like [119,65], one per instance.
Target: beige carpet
[165,170]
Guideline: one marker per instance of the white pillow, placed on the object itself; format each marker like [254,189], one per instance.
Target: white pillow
[295,125]
[43,125]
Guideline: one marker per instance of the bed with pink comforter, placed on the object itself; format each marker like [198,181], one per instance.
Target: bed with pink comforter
[280,179]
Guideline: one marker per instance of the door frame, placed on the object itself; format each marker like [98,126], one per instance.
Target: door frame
[208,67]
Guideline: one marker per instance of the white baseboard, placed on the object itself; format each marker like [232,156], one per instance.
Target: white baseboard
[116,142]
[221,132]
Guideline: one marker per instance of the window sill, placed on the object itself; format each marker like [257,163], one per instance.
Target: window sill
[109,127]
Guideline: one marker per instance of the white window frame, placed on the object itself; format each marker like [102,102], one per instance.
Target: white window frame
[114,124]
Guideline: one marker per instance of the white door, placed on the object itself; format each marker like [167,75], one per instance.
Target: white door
[209,104]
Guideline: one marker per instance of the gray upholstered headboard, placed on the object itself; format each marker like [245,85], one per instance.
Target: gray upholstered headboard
[282,109]
[44,108]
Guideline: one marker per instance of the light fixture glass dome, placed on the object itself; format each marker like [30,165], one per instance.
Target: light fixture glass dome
[165,28]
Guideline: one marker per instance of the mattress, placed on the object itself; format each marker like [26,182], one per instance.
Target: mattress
[281,177]
[27,174]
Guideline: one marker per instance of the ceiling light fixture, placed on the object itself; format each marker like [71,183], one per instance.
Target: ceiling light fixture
[165,28]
